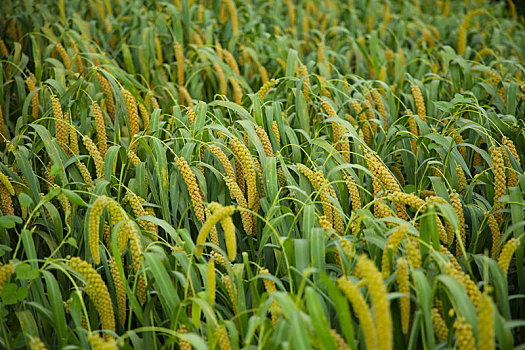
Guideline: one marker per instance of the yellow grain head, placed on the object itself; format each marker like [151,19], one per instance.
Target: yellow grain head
[230,60]
[413,252]
[233,16]
[97,291]
[120,290]
[97,343]
[486,324]
[237,90]
[101,128]
[94,221]
[339,340]
[133,115]
[229,236]
[136,253]
[193,188]
[500,183]
[378,294]
[419,101]
[108,93]
[3,49]
[6,271]
[248,220]
[496,234]
[95,154]
[179,56]
[249,170]
[265,140]
[36,344]
[458,208]
[211,281]
[440,327]
[275,130]
[464,335]
[266,87]
[61,125]
[391,245]
[352,190]
[403,287]
[218,213]
[222,334]
[506,254]
[31,84]
[362,311]
[65,57]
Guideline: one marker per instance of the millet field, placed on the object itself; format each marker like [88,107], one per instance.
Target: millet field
[262,174]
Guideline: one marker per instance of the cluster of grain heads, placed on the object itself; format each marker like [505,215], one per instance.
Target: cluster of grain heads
[98,292]
[303,125]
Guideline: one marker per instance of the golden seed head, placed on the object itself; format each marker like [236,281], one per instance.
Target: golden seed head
[101,128]
[221,332]
[440,327]
[95,154]
[404,287]
[61,124]
[458,208]
[218,213]
[133,115]
[108,93]
[391,245]
[120,290]
[65,57]
[361,309]
[266,87]
[265,140]
[97,292]
[378,294]
[231,61]
[506,254]
[237,90]
[193,188]
[420,103]
[496,234]
[486,324]
[97,343]
[411,200]
[6,271]
[36,344]
[93,227]
[464,335]
[179,56]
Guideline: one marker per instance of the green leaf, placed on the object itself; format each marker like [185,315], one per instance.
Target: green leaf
[25,272]
[12,294]
[25,200]
[9,221]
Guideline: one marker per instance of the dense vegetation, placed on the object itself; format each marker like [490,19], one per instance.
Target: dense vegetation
[262,174]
